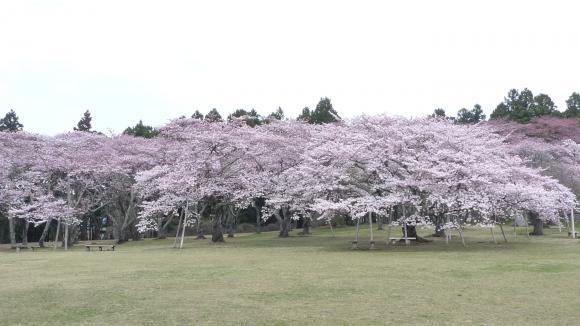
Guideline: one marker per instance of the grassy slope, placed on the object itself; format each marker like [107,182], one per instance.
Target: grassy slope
[260,279]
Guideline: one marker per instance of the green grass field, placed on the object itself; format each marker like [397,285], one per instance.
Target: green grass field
[313,280]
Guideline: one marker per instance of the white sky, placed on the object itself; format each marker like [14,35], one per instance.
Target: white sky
[157,60]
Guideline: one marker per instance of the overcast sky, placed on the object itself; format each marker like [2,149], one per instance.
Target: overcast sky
[157,60]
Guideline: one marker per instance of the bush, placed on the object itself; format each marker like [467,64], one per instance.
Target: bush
[246,228]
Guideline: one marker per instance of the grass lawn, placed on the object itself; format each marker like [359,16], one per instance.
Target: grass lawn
[263,280]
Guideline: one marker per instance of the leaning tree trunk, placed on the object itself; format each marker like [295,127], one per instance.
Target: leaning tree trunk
[12,233]
[217,234]
[25,234]
[44,233]
[537,223]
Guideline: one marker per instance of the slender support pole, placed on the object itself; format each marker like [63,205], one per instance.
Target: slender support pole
[461,235]
[503,233]
[515,229]
[446,230]
[389,228]
[407,242]
[355,242]
[493,234]
[371,230]
[527,230]
[57,234]
[184,224]
[177,231]
[331,228]
[572,223]
[65,236]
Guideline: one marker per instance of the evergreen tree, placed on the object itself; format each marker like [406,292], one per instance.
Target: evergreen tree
[324,112]
[543,105]
[278,114]
[237,114]
[305,115]
[10,122]
[197,115]
[524,106]
[474,115]
[85,123]
[438,113]
[516,106]
[213,116]
[141,130]
[573,106]
[252,118]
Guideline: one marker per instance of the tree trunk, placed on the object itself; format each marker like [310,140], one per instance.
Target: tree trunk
[537,223]
[258,219]
[380,221]
[162,231]
[230,222]
[12,233]
[199,229]
[284,221]
[306,226]
[439,222]
[74,235]
[412,233]
[25,234]
[217,234]
[284,228]
[538,227]
[44,233]
[65,237]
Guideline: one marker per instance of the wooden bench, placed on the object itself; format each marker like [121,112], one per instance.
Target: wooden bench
[394,240]
[100,246]
[20,247]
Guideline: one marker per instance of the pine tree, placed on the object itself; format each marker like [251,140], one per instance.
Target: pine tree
[10,122]
[252,118]
[516,106]
[213,116]
[305,115]
[197,115]
[277,115]
[543,105]
[324,112]
[85,123]
[573,106]
[438,113]
[474,115]
[141,130]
